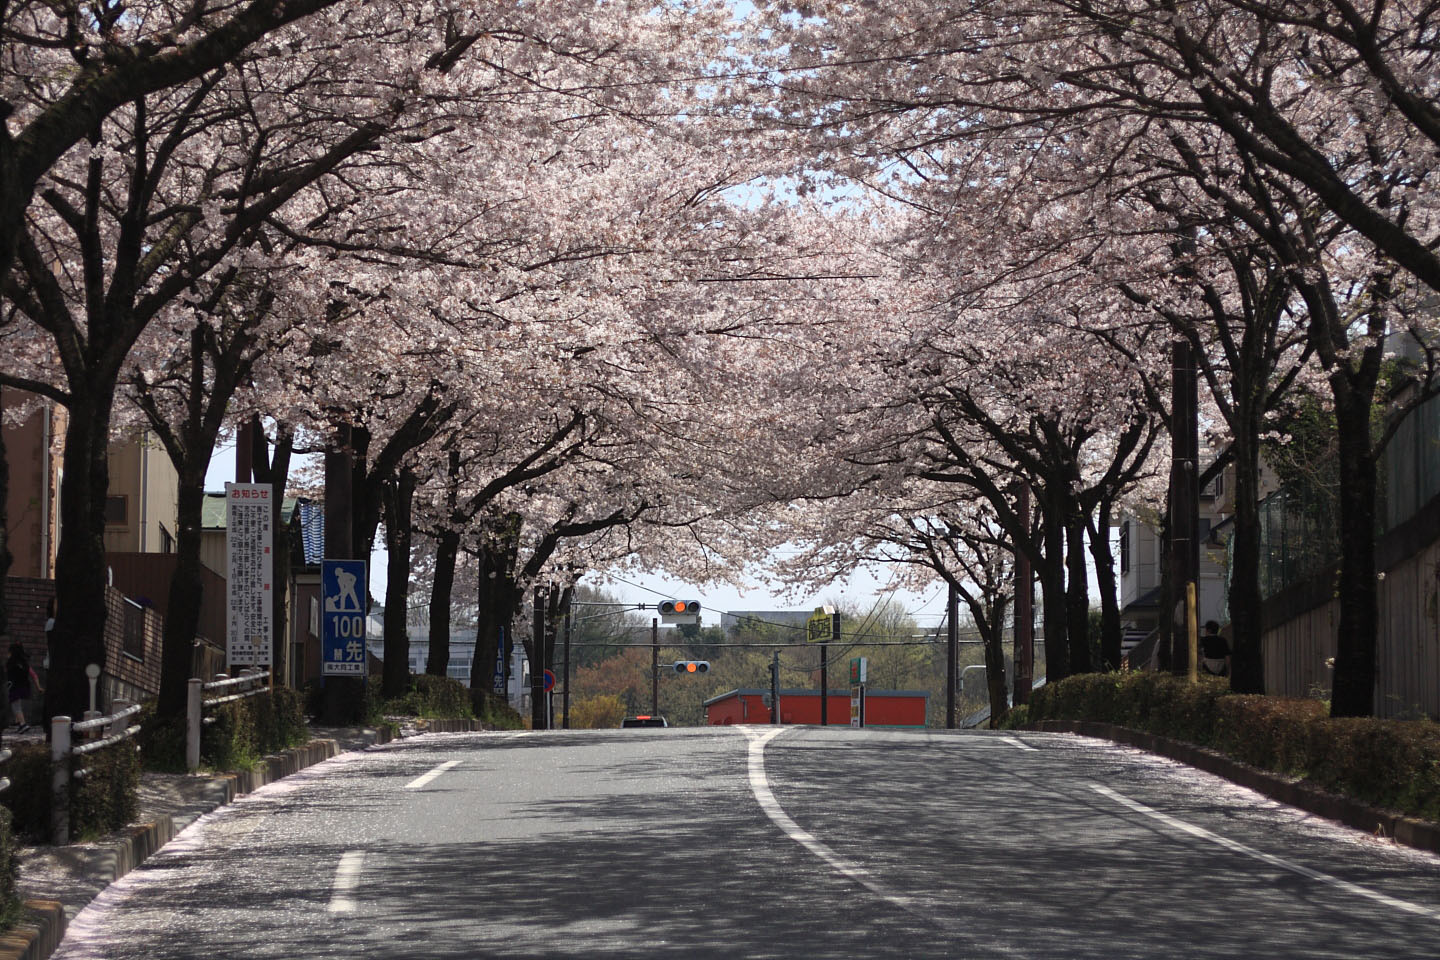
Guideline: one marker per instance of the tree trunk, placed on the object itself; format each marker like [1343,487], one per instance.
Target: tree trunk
[1355,656]
[437,662]
[1247,674]
[1077,595]
[4,523]
[1111,631]
[399,497]
[80,572]
[993,633]
[498,602]
[182,615]
[1052,595]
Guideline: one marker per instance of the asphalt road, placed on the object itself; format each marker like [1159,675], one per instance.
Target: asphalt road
[758,842]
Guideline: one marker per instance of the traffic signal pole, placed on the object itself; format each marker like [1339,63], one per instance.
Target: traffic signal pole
[952,637]
[655,666]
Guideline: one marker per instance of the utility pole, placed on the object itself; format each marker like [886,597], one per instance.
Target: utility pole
[655,666]
[565,697]
[775,687]
[1184,503]
[538,713]
[952,641]
[1024,634]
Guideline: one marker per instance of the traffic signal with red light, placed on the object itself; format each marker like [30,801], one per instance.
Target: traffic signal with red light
[688,667]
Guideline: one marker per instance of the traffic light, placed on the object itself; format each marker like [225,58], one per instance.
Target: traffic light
[680,611]
[687,667]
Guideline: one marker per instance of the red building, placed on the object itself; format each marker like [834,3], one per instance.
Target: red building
[883,708]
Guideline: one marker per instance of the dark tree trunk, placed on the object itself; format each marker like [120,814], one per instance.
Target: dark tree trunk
[498,602]
[1111,631]
[80,573]
[1077,594]
[993,633]
[1355,655]
[437,662]
[4,523]
[1052,594]
[535,651]
[276,472]
[399,497]
[182,615]
[1247,663]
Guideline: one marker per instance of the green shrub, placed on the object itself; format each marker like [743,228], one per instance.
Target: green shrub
[245,730]
[105,798]
[9,899]
[494,711]
[428,696]
[28,799]
[1387,763]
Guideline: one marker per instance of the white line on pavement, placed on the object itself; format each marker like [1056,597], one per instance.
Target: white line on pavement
[1018,742]
[1263,857]
[760,786]
[347,878]
[425,778]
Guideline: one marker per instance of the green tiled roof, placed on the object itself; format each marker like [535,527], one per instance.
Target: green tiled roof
[212,512]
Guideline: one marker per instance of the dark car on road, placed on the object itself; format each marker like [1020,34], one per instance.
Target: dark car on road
[644,720]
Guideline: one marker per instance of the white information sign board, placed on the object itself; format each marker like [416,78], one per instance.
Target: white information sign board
[249,593]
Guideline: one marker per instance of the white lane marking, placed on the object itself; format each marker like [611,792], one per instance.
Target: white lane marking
[760,786]
[1263,857]
[347,878]
[425,778]
[1018,742]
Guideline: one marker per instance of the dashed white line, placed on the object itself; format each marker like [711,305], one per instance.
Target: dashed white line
[425,778]
[347,879]
[1272,860]
[1016,741]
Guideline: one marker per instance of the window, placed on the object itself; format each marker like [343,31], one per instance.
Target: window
[1125,547]
[117,510]
[134,630]
[167,542]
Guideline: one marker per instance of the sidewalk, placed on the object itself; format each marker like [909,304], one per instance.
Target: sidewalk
[56,883]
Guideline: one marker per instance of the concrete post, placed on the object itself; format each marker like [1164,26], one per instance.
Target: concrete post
[194,694]
[60,780]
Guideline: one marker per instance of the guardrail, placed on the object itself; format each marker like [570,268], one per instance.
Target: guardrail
[248,684]
[5,756]
[111,729]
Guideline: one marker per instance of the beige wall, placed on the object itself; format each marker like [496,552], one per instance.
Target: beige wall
[141,472]
[32,506]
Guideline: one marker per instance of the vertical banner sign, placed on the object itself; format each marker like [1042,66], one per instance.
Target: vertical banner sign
[342,589]
[249,540]
[498,683]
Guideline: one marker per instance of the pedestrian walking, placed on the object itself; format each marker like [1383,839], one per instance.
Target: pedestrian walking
[23,683]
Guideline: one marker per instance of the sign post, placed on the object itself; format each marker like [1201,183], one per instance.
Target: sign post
[249,541]
[342,616]
[859,673]
[823,627]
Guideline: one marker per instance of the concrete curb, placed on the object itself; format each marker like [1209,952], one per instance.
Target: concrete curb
[454,725]
[1421,834]
[39,933]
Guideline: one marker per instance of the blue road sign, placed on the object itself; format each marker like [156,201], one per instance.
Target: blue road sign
[342,616]
[549,680]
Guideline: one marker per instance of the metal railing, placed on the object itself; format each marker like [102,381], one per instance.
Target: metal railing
[5,756]
[111,730]
[248,684]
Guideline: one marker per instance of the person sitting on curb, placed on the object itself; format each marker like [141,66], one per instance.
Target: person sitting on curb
[1214,651]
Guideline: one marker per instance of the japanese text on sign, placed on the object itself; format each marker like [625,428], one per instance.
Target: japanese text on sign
[249,539]
[342,588]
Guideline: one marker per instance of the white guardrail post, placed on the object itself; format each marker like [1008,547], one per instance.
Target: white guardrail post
[60,782]
[193,697]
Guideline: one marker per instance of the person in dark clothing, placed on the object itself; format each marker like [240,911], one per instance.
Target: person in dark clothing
[1214,651]
[22,682]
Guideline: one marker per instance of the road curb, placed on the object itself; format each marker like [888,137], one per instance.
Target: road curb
[38,935]
[1421,834]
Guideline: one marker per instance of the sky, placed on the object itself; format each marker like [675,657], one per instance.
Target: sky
[860,590]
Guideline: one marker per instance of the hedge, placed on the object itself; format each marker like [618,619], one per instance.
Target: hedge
[104,800]
[1386,763]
